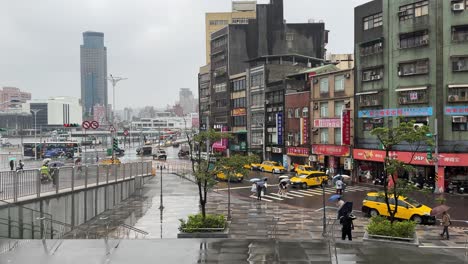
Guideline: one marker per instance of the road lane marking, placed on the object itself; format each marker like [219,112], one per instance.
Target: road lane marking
[295,195]
[263,199]
[302,193]
[236,188]
[281,196]
[272,197]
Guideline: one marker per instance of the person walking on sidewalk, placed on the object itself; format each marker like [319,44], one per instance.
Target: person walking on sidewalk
[347,222]
[12,165]
[446,223]
[259,191]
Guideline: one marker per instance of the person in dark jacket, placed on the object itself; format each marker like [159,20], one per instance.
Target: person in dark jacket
[12,165]
[348,226]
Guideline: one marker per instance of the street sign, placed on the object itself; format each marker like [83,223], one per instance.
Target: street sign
[112,129]
[125,132]
[94,125]
[86,124]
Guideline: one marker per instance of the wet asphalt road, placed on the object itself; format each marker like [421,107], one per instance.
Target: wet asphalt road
[313,198]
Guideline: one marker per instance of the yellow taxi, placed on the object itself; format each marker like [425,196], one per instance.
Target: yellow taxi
[272,166]
[304,170]
[220,175]
[109,162]
[408,209]
[314,178]
[248,166]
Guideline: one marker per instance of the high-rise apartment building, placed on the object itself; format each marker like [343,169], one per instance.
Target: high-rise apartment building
[241,12]
[93,55]
[411,64]
[186,100]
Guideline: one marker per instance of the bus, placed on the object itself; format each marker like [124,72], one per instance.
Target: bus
[56,149]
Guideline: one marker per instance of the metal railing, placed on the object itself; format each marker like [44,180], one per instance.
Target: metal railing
[21,184]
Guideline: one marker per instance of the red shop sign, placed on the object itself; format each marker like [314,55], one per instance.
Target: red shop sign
[419,158]
[302,152]
[346,127]
[331,150]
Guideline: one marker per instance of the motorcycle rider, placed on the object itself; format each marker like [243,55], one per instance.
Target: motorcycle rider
[45,172]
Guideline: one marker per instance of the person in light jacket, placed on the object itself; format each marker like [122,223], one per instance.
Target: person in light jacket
[446,223]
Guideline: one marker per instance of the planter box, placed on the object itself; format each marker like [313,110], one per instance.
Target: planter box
[395,240]
[220,234]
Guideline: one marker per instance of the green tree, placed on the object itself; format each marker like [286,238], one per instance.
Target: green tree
[202,166]
[410,135]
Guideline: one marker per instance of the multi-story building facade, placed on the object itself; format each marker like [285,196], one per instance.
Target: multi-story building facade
[204,93]
[251,48]
[241,12]
[186,100]
[238,91]
[56,111]
[93,58]
[332,98]
[11,98]
[411,62]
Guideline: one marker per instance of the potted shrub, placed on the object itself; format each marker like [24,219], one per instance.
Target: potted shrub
[382,229]
[197,226]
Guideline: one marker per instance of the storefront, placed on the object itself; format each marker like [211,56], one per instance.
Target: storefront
[331,157]
[451,166]
[297,155]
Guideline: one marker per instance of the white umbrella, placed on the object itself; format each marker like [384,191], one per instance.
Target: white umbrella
[284,180]
[46,161]
[283,177]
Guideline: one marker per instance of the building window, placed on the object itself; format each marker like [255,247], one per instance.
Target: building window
[338,107]
[257,119]
[414,39]
[289,36]
[459,123]
[256,79]
[258,100]
[337,136]
[413,68]
[323,109]
[221,103]
[460,33]
[305,112]
[324,135]
[457,94]
[238,102]
[218,22]
[339,83]
[460,64]
[411,11]
[371,48]
[219,42]
[239,121]
[373,99]
[275,97]
[297,113]
[257,138]
[324,85]
[238,85]
[373,21]
[220,87]
[290,139]
[370,123]
[290,113]
[240,21]
[413,97]
[372,74]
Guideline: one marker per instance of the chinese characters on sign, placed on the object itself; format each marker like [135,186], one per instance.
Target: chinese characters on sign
[331,150]
[333,122]
[346,127]
[239,112]
[304,130]
[279,127]
[456,110]
[303,152]
[415,111]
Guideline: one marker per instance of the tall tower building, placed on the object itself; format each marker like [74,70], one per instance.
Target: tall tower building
[186,100]
[93,55]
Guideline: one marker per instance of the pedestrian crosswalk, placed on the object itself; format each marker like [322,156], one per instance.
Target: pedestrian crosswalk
[298,193]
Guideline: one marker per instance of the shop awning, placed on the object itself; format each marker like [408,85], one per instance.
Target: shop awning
[219,147]
[458,86]
[411,89]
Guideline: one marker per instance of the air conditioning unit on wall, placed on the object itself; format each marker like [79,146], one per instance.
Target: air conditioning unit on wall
[459,119]
[458,7]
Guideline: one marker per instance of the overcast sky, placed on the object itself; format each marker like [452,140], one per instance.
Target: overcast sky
[159,45]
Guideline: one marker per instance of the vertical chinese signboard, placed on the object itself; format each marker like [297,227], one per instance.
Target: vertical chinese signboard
[304,130]
[279,127]
[346,127]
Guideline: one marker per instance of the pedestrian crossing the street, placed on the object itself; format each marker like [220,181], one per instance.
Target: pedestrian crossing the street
[298,193]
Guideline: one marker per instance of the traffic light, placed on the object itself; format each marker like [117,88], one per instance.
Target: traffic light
[429,153]
[115,144]
[71,125]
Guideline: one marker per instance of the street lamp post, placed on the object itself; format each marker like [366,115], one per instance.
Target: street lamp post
[35,131]
[161,207]
[324,232]
[114,81]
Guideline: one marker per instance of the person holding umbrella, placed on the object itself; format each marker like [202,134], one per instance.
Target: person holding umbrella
[442,209]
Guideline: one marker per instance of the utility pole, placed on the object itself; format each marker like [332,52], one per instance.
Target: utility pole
[439,189]
[114,81]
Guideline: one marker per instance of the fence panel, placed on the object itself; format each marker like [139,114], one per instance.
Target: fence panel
[27,182]
[7,184]
[65,178]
